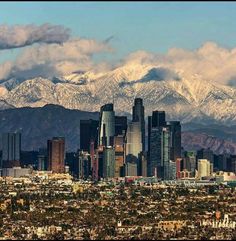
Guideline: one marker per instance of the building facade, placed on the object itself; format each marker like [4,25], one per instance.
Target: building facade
[56,155]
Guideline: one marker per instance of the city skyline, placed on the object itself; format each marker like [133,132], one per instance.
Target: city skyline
[117,120]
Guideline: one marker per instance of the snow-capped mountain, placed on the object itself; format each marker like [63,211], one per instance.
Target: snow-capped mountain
[183,97]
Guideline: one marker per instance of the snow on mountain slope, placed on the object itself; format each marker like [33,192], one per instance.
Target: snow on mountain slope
[183,97]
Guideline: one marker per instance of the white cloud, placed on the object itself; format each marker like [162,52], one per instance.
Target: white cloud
[24,35]
[56,59]
[212,62]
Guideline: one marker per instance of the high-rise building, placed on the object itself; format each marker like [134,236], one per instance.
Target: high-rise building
[172,170]
[175,140]
[119,155]
[106,125]
[133,142]
[84,165]
[156,120]
[206,154]
[159,155]
[56,155]
[100,161]
[88,133]
[189,162]
[94,161]
[11,150]
[41,162]
[109,162]
[120,125]
[179,167]
[204,168]
[138,116]
[142,164]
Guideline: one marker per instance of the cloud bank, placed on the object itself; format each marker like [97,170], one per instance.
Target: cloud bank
[56,54]
[210,61]
[20,36]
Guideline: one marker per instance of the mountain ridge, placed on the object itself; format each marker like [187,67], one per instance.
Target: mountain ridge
[187,98]
[38,124]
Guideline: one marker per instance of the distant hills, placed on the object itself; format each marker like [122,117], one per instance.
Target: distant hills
[42,123]
[185,97]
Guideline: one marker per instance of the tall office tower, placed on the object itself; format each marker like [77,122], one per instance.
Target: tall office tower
[100,158]
[88,133]
[109,162]
[179,167]
[206,154]
[172,170]
[189,162]
[41,162]
[119,155]
[175,140]
[204,168]
[160,152]
[94,162]
[106,125]
[138,116]
[56,155]
[84,165]
[156,120]
[11,149]
[142,164]
[120,125]
[133,142]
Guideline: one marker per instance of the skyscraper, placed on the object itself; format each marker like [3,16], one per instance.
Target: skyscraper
[158,118]
[133,141]
[56,155]
[94,161]
[175,140]
[159,155]
[109,162]
[106,125]
[120,125]
[119,155]
[138,116]
[83,165]
[88,133]
[11,149]
[154,122]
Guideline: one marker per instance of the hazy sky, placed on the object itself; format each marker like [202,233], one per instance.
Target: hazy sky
[150,26]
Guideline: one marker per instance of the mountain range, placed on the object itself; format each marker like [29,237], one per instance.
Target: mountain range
[187,98]
[205,109]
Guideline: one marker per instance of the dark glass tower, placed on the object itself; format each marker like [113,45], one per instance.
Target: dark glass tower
[175,140]
[138,116]
[88,133]
[158,119]
[120,125]
[160,152]
[11,149]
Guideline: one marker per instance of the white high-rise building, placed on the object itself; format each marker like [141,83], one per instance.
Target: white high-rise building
[107,125]
[204,168]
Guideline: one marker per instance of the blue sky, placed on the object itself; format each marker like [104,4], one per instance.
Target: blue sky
[150,26]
